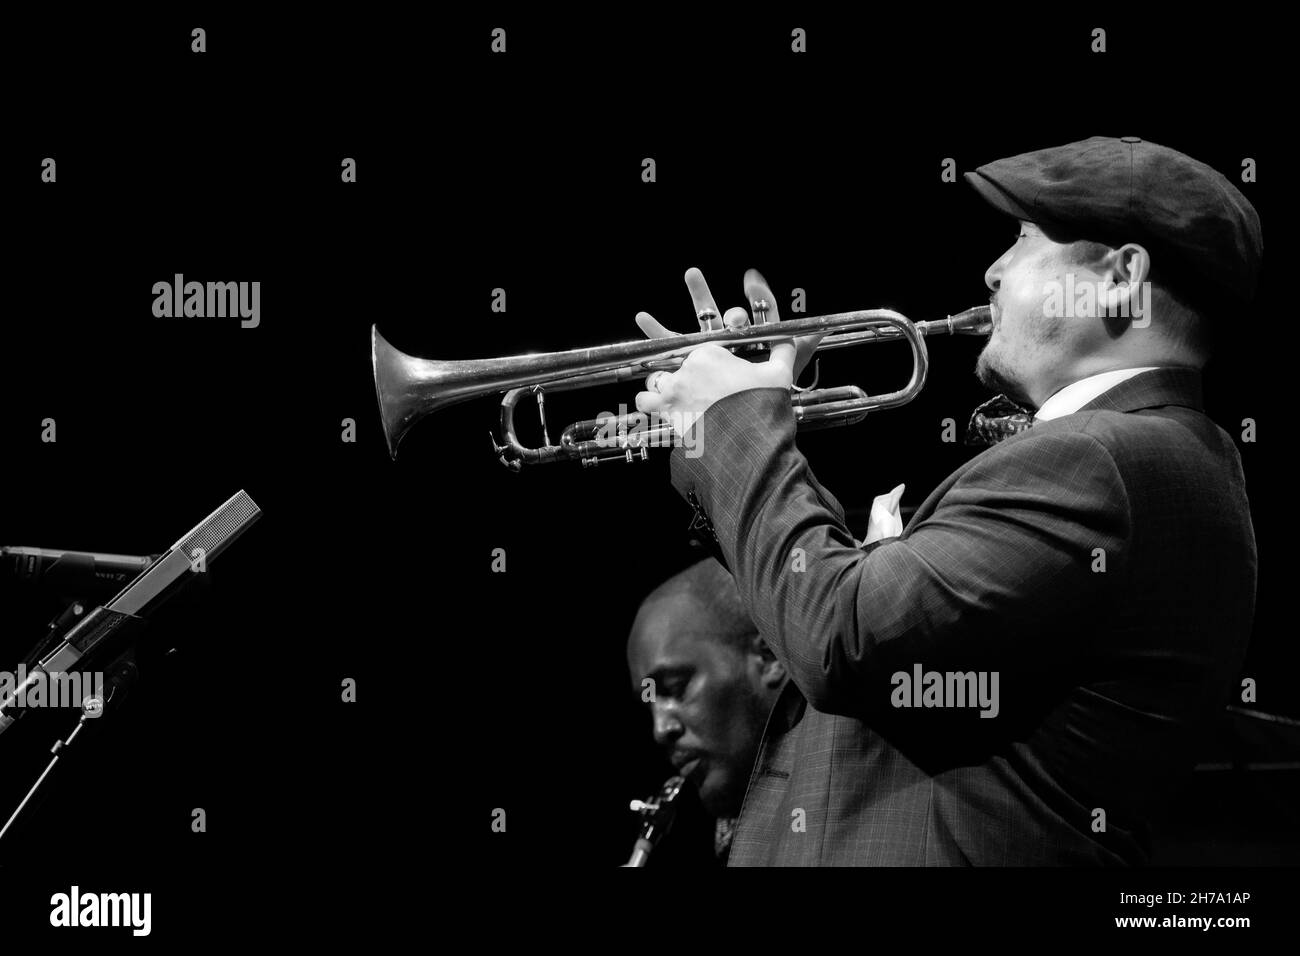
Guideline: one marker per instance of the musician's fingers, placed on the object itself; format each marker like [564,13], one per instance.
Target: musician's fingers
[758,293]
[736,318]
[784,356]
[652,327]
[702,299]
[781,361]
[658,381]
[649,403]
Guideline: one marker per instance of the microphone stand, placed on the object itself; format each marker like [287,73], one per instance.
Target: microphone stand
[123,674]
[115,624]
[59,626]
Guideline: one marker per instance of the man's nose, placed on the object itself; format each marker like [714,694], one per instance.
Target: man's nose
[993,275]
[667,727]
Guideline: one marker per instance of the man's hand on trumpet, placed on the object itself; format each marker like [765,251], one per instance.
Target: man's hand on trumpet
[711,372]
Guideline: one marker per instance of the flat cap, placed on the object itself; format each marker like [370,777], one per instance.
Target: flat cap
[1192,219]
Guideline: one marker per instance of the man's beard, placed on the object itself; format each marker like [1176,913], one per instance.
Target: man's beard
[993,379]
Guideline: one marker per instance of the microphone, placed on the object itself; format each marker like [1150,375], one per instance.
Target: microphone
[111,625]
[34,567]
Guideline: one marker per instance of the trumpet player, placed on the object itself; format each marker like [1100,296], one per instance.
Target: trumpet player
[1018,677]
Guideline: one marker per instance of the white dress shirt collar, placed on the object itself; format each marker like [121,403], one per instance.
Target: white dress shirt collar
[1071,398]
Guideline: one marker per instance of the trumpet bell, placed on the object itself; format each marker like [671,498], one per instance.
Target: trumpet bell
[410,388]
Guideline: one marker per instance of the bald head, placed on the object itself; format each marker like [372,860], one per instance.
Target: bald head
[709,590]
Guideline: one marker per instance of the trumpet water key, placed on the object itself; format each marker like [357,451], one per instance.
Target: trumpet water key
[411,388]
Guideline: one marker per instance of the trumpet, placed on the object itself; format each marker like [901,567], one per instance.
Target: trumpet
[410,388]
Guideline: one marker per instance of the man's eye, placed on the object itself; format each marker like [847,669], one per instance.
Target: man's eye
[673,687]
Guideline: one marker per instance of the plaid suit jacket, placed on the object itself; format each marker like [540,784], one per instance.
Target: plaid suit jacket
[1101,564]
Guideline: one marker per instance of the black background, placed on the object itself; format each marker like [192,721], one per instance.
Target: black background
[480,690]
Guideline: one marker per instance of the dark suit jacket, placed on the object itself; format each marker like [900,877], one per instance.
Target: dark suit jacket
[1102,564]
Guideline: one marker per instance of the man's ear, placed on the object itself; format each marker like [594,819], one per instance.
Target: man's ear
[771,672]
[1127,291]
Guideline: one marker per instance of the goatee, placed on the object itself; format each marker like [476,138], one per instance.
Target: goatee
[996,382]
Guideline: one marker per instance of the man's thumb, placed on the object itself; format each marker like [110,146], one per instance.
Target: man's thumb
[781,360]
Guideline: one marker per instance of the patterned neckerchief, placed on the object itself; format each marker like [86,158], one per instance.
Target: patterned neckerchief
[996,419]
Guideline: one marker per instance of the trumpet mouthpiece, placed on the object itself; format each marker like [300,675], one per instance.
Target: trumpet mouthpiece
[974,321]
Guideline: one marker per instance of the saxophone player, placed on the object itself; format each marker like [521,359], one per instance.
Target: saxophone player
[714,678]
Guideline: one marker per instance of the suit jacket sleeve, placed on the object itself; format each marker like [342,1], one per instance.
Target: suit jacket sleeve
[1004,567]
